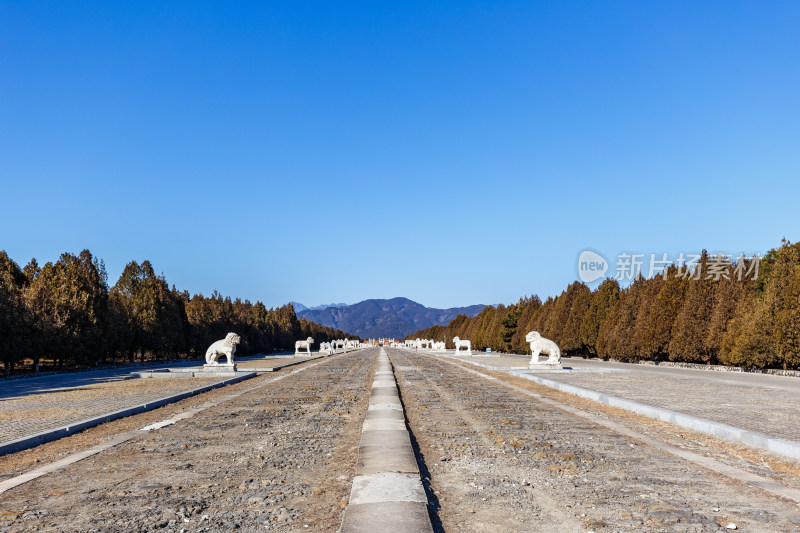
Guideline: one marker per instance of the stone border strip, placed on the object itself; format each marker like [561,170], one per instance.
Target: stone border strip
[36,439]
[16,481]
[751,438]
[387,493]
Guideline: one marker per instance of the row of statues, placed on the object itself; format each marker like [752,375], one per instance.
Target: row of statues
[538,344]
[304,347]
[463,347]
[227,347]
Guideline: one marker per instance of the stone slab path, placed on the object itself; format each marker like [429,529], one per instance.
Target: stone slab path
[387,494]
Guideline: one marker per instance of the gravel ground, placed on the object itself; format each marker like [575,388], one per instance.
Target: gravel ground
[277,458]
[496,460]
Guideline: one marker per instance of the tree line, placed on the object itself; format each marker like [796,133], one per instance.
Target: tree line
[64,315]
[704,314]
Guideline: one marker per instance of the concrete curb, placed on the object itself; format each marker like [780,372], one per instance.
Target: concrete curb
[188,373]
[751,438]
[36,439]
[387,493]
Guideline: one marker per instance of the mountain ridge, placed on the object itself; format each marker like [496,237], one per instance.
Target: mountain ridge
[394,317]
[298,307]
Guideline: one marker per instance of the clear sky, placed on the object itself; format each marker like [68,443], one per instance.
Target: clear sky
[450,152]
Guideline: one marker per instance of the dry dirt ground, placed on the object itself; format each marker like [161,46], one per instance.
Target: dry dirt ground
[280,457]
[498,460]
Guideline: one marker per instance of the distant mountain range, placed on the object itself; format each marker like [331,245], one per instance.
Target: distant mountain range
[396,317]
[300,307]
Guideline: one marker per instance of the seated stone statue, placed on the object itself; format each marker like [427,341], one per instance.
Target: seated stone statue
[226,347]
[541,345]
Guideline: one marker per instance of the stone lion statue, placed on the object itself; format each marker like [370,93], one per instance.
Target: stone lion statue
[226,347]
[541,345]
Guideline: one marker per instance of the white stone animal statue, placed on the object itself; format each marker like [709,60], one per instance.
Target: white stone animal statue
[424,344]
[226,347]
[438,346]
[325,347]
[338,343]
[466,345]
[541,345]
[303,344]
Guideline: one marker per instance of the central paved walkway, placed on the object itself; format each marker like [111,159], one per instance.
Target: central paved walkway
[755,402]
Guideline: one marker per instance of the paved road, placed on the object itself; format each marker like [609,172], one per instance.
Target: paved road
[766,381]
[43,384]
[756,402]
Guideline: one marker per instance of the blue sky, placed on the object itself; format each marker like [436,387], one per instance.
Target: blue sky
[453,153]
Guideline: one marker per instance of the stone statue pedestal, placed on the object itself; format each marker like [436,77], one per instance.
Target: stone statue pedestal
[220,368]
[545,366]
